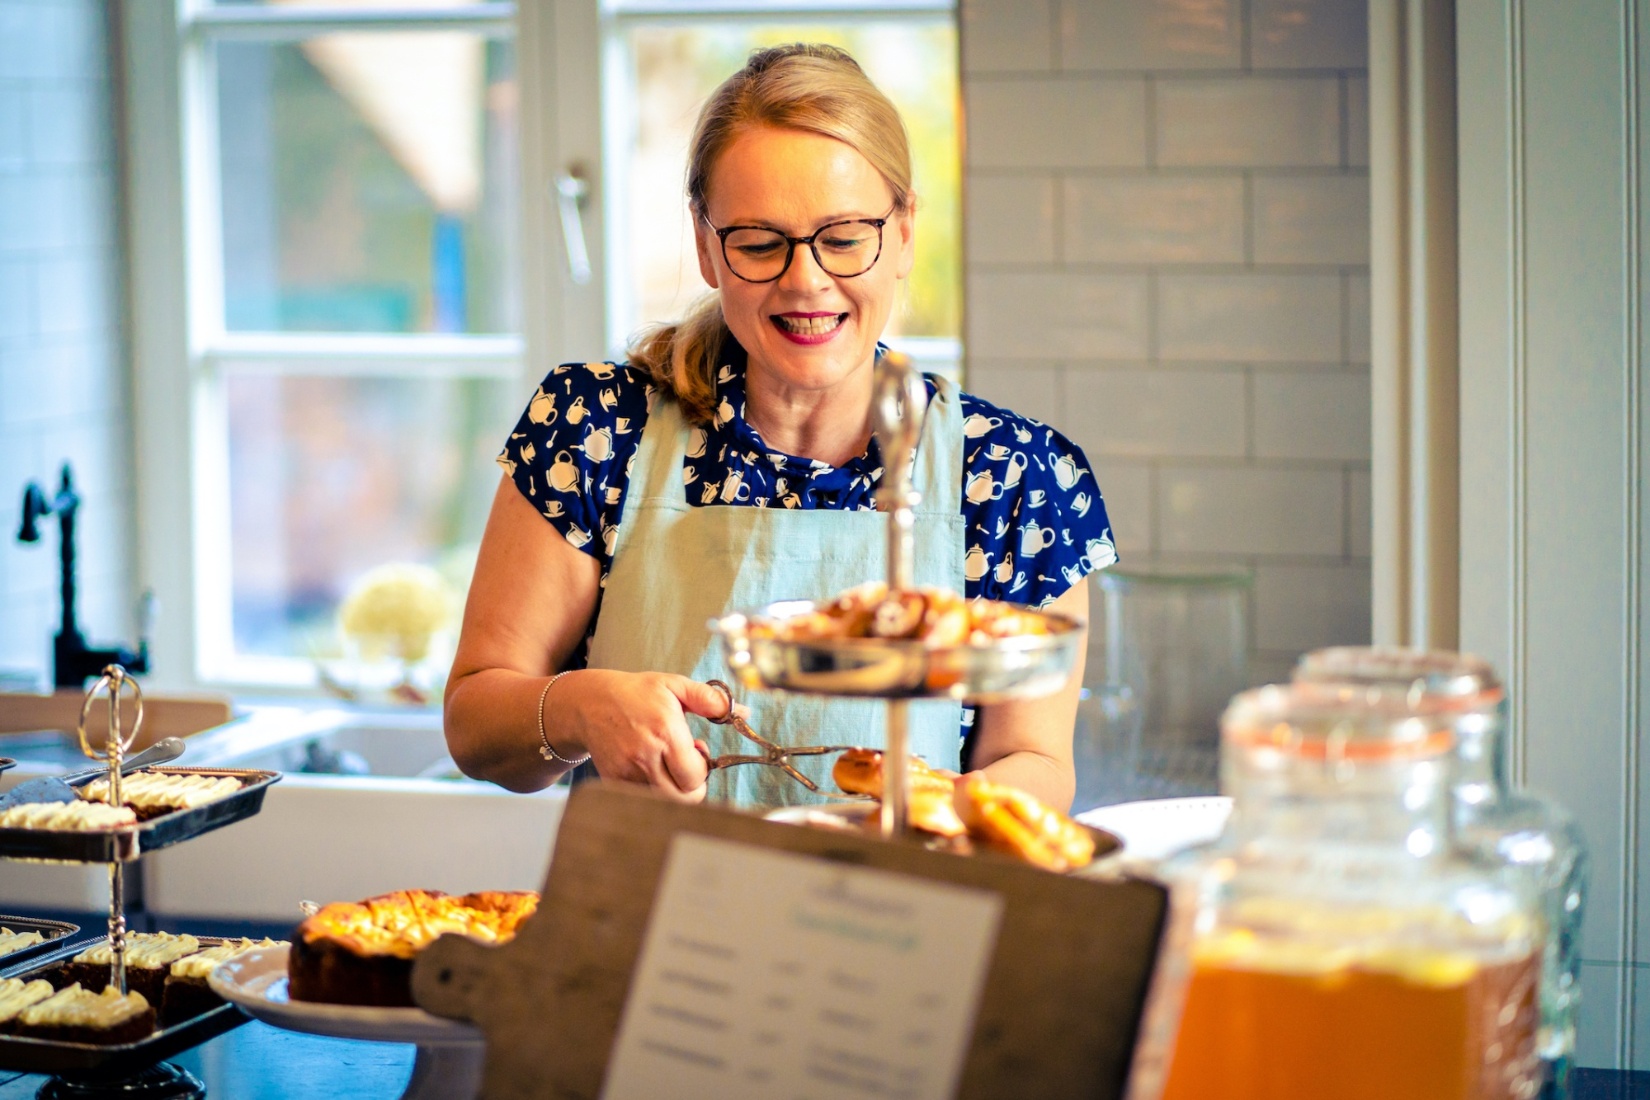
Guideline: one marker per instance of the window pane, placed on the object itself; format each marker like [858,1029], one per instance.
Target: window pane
[677,67]
[401,4]
[369,183]
[330,477]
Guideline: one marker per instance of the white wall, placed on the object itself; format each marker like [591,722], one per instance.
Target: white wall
[1554,199]
[1168,260]
[63,388]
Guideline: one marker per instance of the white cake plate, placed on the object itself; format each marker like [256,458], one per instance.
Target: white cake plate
[1158,828]
[449,1060]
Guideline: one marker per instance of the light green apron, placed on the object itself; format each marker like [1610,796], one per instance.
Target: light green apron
[676,567]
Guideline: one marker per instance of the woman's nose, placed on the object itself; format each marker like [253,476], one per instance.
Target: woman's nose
[805,275]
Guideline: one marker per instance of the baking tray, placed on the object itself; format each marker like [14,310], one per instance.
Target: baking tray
[87,1060]
[55,931]
[886,668]
[129,842]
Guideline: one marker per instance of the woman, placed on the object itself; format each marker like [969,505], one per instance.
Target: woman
[730,463]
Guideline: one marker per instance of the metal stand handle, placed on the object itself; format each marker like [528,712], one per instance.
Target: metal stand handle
[114,751]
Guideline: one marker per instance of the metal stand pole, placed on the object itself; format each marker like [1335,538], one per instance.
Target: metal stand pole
[114,751]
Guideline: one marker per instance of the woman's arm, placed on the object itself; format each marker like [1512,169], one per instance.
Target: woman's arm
[529,605]
[1027,743]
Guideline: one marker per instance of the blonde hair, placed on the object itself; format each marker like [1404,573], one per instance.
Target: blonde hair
[803,86]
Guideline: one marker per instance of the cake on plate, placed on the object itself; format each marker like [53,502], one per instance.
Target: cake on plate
[186,994]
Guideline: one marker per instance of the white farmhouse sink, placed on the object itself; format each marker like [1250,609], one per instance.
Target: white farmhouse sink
[327,837]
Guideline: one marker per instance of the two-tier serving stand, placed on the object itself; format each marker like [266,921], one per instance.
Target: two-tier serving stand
[762,657]
[131,1070]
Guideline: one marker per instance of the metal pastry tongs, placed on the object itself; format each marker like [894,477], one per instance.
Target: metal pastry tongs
[774,755]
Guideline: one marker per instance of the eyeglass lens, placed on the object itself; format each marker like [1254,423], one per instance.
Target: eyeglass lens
[845,249]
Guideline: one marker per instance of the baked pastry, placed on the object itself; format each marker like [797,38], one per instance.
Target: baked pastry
[76,816]
[859,771]
[149,955]
[12,942]
[16,995]
[186,993]
[1012,821]
[937,617]
[76,1015]
[361,953]
[151,794]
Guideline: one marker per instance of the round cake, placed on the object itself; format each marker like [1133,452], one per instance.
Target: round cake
[362,952]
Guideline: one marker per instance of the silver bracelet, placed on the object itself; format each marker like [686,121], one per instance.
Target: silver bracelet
[547,752]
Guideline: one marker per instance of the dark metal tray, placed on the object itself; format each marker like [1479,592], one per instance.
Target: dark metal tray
[55,931]
[128,843]
[7,763]
[88,1060]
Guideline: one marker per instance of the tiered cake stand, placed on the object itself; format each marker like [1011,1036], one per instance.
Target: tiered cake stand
[129,1070]
[897,670]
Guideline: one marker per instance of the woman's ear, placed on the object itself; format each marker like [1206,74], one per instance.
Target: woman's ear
[705,244]
[906,236]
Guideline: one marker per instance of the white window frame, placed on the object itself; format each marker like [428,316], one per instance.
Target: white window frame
[180,350]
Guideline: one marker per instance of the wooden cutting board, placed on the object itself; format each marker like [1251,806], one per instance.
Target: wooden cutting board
[163,715]
[1057,1017]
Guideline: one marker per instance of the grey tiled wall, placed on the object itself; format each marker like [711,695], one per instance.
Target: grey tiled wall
[1168,249]
[63,389]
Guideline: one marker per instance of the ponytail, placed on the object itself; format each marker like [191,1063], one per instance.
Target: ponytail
[680,359]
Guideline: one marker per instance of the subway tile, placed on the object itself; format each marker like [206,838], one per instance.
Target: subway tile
[14,143]
[1303,607]
[1153,219]
[1007,36]
[1030,389]
[1312,414]
[1311,219]
[1250,317]
[1064,315]
[1309,34]
[74,39]
[1092,122]
[1011,219]
[69,124]
[58,382]
[1357,318]
[16,298]
[1249,510]
[1126,487]
[85,208]
[1144,413]
[23,40]
[1357,121]
[1248,121]
[75,295]
[1150,34]
[1359,513]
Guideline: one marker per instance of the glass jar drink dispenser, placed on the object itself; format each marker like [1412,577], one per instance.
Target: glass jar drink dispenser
[1172,651]
[1339,947]
[1526,832]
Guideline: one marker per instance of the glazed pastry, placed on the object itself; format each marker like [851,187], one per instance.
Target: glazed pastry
[151,794]
[362,952]
[859,771]
[1015,822]
[11,942]
[76,1015]
[937,617]
[16,995]
[76,816]
[149,955]
[186,993]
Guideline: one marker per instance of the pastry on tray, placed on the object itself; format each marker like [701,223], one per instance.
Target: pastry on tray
[150,794]
[936,617]
[76,1015]
[80,817]
[186,994]
[361,953]
[11,942]
[16,995]
[149,956]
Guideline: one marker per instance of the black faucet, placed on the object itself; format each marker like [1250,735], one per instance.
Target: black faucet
[72,659]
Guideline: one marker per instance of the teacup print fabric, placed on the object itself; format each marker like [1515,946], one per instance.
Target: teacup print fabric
[1035,518]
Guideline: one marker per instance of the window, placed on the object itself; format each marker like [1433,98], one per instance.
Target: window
[376,208]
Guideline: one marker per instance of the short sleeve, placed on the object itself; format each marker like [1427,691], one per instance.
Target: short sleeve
[571,451]
[1035,521]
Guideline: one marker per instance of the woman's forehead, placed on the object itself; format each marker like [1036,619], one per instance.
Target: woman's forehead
[793,178]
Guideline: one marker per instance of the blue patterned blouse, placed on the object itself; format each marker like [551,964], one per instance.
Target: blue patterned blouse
[1035,521]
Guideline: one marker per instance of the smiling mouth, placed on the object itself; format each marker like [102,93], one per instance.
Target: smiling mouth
[816,325]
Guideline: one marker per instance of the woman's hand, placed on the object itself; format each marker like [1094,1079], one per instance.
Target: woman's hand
[634,726]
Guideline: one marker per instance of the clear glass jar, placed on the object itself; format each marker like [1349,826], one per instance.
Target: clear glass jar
[1522,830]
[1337,946]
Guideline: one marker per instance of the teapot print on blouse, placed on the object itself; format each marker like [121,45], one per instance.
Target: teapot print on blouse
[976,563]
[542,409]
[1066,471]
[576,412]
[563,475]
[598,445]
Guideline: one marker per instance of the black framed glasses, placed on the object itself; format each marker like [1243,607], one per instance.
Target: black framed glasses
[844,249]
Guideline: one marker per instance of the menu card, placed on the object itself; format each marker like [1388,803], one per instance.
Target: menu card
[767,973]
